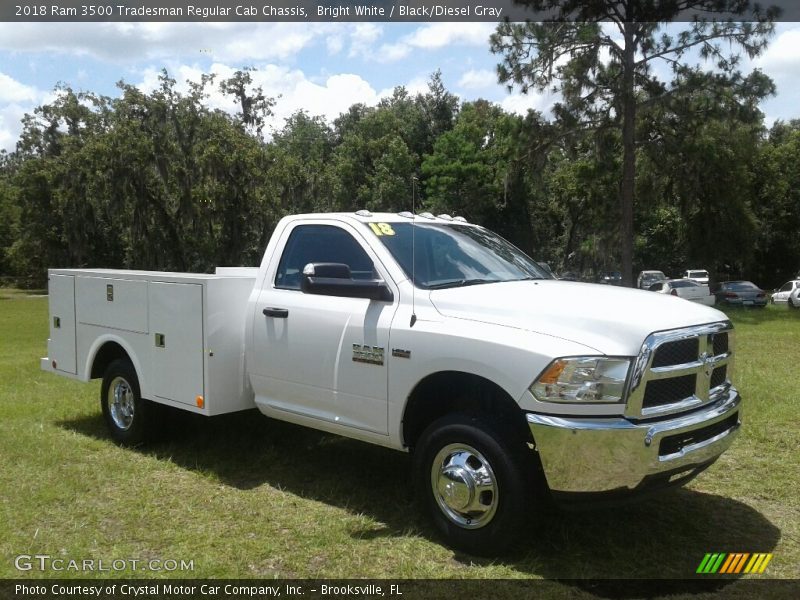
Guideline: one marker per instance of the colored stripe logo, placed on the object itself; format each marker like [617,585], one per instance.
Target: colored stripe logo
[734,563]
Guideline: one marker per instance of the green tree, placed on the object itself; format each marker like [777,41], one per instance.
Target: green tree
[777,207]
[373,164]
[191,181]
[439,109]
[9,216]
[148,180]
[298,156]
[606,81]
[477,170]
[56,219]
[580,177]
[254,106]
[691,135]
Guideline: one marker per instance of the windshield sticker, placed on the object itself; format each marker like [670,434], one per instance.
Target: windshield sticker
[380,229]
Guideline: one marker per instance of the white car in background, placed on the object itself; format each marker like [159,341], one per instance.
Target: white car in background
[794,298]
[782,294]
[698,275]
[686,289]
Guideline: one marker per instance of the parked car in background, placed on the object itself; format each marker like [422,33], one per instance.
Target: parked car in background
[741,293]
[782,294]
[569,276]
[648,278]
[686,289]
[698,275]
[794,298]
[610,278]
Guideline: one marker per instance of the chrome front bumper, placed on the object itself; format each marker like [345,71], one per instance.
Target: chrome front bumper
[596,455]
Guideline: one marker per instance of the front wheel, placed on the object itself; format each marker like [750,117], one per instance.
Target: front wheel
[127,415]
[475,483]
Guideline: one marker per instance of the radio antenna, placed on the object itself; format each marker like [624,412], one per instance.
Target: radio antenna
[414,181]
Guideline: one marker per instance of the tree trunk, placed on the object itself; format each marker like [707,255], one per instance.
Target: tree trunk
[628,154]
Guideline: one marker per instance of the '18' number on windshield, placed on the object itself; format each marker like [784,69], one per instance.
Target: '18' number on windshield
[381,229]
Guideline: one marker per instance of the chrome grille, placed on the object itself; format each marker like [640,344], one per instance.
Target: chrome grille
[668,391]
[720,343]
[681,369]
[676,353]
[719,376]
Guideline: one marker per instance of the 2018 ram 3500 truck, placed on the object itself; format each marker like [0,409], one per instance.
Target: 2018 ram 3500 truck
[423,334]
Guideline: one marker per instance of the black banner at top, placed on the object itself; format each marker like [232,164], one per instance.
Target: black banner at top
[389,10]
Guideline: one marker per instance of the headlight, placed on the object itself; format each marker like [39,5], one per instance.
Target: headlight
[582,379]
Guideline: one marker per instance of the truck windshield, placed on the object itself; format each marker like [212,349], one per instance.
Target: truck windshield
[453,255]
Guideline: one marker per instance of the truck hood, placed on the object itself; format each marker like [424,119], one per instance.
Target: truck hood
[610,320]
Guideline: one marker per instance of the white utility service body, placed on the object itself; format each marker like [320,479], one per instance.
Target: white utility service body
[182,332]
[612,390]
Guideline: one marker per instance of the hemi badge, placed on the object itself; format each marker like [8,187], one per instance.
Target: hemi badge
[401,353]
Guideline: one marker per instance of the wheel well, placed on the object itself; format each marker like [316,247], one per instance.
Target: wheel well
[108,353]
[452,391]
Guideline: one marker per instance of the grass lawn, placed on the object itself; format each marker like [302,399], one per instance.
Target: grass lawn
[243,496]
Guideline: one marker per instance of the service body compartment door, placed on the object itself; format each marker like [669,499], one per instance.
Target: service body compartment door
[112,302]
[176,333]
[61,346]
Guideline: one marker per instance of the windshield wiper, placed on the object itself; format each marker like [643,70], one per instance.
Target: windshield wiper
[480,281]
[452,283]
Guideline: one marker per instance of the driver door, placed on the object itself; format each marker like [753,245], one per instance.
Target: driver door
[309,357]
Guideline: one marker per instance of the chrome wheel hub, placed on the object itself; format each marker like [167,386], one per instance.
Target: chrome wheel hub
[121,403]
[464,486]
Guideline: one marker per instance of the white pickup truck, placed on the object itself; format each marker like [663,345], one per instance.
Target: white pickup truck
[423,334]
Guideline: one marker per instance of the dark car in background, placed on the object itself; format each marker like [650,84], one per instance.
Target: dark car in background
[740,293]
[610,278]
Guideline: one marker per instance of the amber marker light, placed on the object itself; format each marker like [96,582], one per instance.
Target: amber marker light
[200,402]
[553,372]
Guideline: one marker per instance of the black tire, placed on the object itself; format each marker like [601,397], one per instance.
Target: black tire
[500,518]
[128,416]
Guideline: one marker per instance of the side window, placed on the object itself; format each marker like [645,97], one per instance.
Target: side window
[786,287]
[320,243]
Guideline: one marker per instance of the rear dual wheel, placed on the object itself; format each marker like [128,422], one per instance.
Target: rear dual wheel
[129,417]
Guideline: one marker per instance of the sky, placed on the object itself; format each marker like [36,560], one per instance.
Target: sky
[322,68]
